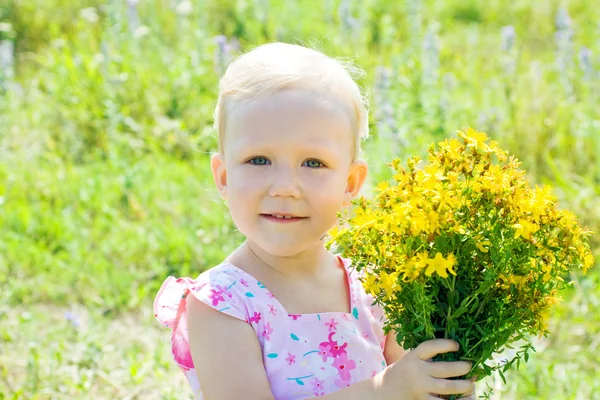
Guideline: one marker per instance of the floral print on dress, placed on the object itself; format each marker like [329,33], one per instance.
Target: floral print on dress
[266,333]
[332,349]
[304,355]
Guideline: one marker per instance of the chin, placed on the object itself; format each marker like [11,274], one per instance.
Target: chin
[284,248]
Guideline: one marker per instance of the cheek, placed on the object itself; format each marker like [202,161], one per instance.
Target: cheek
[329,193]
[242,182]
[241,196]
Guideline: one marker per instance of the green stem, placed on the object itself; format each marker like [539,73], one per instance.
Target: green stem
[472,347]
[450,307]
[480,308]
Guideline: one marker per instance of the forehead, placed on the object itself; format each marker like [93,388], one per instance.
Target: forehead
[294,118]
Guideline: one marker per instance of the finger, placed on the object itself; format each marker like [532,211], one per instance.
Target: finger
[471,394]
[448,369]
[447,386]
[431,348]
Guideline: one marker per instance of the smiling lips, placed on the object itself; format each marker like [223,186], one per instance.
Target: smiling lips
[282,217]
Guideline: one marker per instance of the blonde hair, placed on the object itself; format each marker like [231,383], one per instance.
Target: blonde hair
[276,66]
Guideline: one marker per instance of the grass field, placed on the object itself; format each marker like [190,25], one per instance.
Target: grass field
[105,133]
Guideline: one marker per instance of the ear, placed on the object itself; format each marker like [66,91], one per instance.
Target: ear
[217,166]
[356,179]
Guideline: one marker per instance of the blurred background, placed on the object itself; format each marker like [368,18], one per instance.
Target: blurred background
[105,135]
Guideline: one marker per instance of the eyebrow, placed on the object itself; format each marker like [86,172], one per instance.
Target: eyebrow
[328,156]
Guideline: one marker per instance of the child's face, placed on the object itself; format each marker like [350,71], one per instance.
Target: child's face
[290,152]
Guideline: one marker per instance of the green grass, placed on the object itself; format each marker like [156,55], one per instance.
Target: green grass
[105,186]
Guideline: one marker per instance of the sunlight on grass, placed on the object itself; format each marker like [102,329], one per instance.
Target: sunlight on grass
[105,187]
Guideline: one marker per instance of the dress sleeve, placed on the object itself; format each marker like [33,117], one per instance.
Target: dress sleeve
[218,289]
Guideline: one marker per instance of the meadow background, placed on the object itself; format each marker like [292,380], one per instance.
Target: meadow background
[105,136]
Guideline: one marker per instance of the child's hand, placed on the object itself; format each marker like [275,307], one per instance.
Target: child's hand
[415,376]
[471,394]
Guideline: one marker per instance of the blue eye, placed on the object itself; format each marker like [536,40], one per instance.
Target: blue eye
[258,161]
[314,163]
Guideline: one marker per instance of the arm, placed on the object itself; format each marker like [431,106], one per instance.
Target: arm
[216,339]
[392,351]
[226,355]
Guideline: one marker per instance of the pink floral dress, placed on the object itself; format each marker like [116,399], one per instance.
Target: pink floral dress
[305,355]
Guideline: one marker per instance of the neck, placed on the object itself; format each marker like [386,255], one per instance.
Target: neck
[309,263]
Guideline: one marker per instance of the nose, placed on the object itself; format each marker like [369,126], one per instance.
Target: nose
[284,183]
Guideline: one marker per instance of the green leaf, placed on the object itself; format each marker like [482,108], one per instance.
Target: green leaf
[419,329]
[502,376]
[487,369]
[480,330]
[461,310]
[474,305]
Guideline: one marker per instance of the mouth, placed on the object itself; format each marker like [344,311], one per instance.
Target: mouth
[282,217]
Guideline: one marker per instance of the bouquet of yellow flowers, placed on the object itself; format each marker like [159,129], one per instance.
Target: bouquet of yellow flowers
[463,248]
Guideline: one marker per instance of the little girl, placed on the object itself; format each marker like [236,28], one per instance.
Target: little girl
[281,317]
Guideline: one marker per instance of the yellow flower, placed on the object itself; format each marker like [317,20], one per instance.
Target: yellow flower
[388,283]
[402,209]
[496,178]
[418,223]
[474,139]
[471,192]
[494,148]
[412,162]
[567,220]
[476,187]
[588,262]
[402,179]
[542,323]
[370,284]
[441,265]
[542,198]
[458,228]
[333,232]
[518,280]
[525,228]
[452,176]
[434,221]
[481,244]
[546,268]
[429,176]
[445,198]
[382,186]
[455,148]
[363,218]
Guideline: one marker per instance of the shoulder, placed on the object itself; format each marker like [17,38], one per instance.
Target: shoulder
[221,287]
